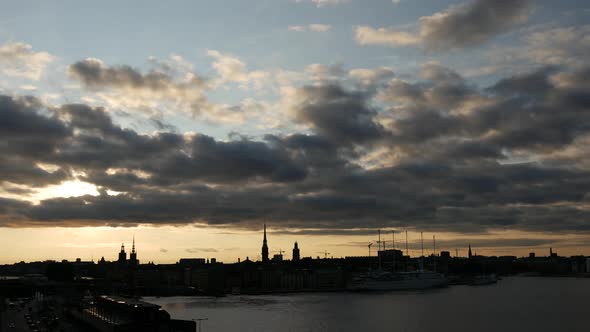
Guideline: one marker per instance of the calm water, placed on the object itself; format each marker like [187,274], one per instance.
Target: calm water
[514,304]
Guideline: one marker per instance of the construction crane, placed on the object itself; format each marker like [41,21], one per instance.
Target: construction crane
[370,244]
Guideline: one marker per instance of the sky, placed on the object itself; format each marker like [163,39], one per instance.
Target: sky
[190,124]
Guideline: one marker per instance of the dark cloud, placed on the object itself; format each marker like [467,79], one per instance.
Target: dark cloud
[21,171]
[472,23]
[85,138]
[240,159]
[151,92]
[335,113]
[448,156]
[444,89]
[522,112]
[459,26]
[29,135]
[94,74]
[27,129]
[535,84]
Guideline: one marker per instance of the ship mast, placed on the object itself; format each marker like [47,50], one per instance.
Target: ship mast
[407,251]
[421,262]
[434,252]
[393,251]
[379,243]
[422,243]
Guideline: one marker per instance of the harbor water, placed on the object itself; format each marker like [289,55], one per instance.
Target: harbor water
[513,304]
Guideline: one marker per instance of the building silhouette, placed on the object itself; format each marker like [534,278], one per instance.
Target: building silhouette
[296,255]
[122,255]
[133,256]
[469,253]
[264,247]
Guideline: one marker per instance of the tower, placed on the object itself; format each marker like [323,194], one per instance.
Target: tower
[264,247]
[296,252]
[133,256]
[469,253]
[122,255]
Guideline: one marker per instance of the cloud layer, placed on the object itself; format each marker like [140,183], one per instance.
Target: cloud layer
[377,151]
[459,26]
[317,148]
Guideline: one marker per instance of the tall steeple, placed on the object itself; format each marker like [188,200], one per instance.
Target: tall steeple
[133,256]
[264,247]
[469,253]
[296,256]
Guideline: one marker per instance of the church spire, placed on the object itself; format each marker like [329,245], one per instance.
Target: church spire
[296,256]
[133,256]
[264,247]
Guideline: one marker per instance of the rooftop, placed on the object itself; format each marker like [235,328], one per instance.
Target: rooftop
[128,301]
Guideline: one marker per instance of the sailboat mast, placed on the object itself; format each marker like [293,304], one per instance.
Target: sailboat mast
[407,251]
[393,251]
[422,243]
[434,252]
[378,255]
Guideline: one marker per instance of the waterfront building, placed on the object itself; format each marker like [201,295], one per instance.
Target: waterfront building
[114,313]
[192,261]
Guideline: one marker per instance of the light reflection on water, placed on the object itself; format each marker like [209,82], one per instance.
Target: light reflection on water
[514,304]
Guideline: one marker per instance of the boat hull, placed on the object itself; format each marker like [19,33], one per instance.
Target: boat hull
[378,284]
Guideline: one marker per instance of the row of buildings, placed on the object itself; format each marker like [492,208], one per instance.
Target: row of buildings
[208,276]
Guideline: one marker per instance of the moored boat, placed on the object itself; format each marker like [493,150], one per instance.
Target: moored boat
[385,281]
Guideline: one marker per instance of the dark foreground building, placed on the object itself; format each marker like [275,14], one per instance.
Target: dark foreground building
[120,314]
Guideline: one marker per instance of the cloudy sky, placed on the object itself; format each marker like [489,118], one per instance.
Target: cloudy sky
[191,124]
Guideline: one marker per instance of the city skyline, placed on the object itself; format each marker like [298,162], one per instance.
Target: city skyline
[190,126]
[282,243]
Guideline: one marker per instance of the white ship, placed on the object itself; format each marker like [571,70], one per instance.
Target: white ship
[385,281]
